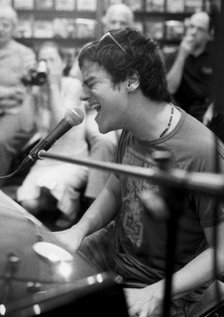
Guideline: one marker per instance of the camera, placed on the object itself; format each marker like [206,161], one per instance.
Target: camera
[36,76]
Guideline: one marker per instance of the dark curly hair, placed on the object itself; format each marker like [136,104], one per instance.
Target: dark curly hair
[136,54]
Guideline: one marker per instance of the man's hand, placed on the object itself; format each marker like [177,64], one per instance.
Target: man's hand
[70,238]
[187,45]
[146,301]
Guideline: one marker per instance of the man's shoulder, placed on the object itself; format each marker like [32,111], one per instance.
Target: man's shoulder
[20,48]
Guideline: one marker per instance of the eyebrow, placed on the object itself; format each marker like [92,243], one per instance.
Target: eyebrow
[88,80]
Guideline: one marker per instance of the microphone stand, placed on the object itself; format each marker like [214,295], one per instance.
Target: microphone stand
[174,197]
[210,184]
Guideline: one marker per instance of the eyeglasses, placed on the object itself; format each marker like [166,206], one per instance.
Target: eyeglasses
[198,28]
[113,39]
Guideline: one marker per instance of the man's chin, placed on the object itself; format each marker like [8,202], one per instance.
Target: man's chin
[103,129]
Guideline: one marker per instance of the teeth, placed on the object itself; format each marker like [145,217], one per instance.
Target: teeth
[96,107]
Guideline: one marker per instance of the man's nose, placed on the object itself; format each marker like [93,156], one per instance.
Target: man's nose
[84,98]
[193,29]
[85,95]
[117,25]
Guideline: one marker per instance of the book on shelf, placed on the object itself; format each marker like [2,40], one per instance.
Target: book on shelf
[175,5]
[193,5]
[44,4]
[23,4]
[86,28]
[69,53]
[64,28]
[135,5]
[24,26]
[67,5]
[154,5]
[110,2]
[5,3]
[87,5]
[155,29]
[174,30]
[43,29]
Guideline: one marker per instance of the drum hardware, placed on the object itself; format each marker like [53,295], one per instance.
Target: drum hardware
[59,259]
[33,287]
[94,295]
[25,269]
[10,271]
[52,252]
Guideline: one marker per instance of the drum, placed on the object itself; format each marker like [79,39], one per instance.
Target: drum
[31,261]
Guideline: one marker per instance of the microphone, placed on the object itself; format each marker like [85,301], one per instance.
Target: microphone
[72,118]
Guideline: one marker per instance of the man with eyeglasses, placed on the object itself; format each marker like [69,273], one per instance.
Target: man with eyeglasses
[124,81]
[190,68]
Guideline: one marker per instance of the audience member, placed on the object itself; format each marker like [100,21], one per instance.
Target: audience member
[102,146]
[118,16]
[16,124]
[69,59]
[190,68]
[124,79]
[55,181]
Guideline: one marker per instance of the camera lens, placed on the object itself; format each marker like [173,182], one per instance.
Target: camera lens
[41,71]
[42,66]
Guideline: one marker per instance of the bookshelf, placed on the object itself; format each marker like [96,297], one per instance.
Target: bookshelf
[72,23]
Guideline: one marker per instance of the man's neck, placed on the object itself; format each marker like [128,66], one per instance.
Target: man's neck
[154,120]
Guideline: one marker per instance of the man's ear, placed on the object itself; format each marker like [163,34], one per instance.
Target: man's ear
[133,82]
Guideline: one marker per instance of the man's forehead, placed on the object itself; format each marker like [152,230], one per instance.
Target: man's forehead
[200,19]
[90,67]
[119,16]
[91,70]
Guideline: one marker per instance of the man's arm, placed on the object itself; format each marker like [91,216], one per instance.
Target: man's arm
[193,275]
[201,269]
[98,215]
[175,73]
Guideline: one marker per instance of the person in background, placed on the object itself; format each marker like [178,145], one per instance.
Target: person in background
[16,122]
[102,146]
[69,59]
[190,68]
[118,16]
[124,80]
[54,184]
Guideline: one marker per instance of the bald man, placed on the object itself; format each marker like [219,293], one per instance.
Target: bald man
[190,76]
[118,16]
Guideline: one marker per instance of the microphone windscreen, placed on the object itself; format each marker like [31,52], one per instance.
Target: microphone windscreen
[74,116]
